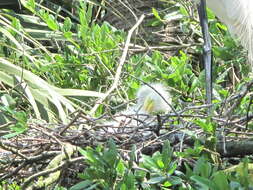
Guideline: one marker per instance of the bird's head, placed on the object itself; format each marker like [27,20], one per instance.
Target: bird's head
[155,99]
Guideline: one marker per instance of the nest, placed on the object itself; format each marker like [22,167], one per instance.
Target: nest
[27,156]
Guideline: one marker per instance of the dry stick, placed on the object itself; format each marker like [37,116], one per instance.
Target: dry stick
[49,171]
[13,150]
[70,123]
[119,69]
[33,159]
[6,124]
[46,133]
[16,170]
[241,95]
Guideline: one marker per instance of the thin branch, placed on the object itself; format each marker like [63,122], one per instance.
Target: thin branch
[119,69]
[241,95]
[46,172]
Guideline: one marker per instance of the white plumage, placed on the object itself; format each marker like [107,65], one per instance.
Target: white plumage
[149,100]
[155,99]
[238,16]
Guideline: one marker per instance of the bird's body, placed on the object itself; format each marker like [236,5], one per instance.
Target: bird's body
[151,98]
[238,16]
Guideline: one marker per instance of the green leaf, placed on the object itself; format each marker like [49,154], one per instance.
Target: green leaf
[121,167]
[129,181]
[132,156]
[111,155]
[52,23]
[156,14]
[40,90]
[166,154]
[67,24]
[174,180]
[13,134]
[221,181]
[149,163]
[7,100]
[123,187]
[202,182]
[29,4]
[156,180]
[205,125]
[82,185]
[167,184]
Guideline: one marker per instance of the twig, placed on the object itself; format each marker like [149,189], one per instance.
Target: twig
[119,69]
[16,170]
[46,172]
[14,151]
[7,124]
[70,123]
[241,95]
[46,133]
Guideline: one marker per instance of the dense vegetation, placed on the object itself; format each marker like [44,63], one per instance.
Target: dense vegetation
[65,71]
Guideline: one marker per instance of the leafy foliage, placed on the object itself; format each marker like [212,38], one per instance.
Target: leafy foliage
[107,170]
[53,65]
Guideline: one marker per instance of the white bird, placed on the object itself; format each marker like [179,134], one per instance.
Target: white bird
[151,99]
[238,16]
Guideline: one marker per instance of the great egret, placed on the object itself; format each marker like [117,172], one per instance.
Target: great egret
[151,99]
[238,16]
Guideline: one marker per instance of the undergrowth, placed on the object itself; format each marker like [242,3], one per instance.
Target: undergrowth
[52,65]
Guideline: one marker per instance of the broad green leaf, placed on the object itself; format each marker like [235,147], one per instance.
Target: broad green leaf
[166,154]
[156,180]
[204,183]
[221,181]
[82,185]
[52,23]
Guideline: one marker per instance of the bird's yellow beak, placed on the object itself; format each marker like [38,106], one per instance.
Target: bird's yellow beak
[148,105]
